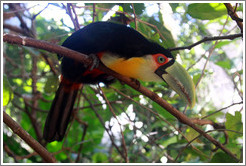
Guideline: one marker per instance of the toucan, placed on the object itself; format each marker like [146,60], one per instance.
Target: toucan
[123,50]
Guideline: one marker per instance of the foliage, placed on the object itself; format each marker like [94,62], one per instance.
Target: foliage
[7,92]
[151,134]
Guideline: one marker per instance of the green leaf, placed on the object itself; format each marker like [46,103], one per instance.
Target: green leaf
[234,123]
[7,91]
[54,147]
[222,43]
[174,6]
[225,64]
[139,8]
[164,113]
[235,148]
[206,11]
[144,29]
[169,141]
[99,158]
[25,123]
[222,157]
[196,78]
[103,5]
[51,84]
[191,134]
[168,41]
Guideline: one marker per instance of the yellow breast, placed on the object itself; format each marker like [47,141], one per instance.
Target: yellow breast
[129,67]
[136,67]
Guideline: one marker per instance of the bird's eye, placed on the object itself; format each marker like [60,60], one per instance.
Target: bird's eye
[161,59]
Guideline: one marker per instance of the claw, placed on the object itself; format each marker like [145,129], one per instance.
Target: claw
[95,61]
[136,82]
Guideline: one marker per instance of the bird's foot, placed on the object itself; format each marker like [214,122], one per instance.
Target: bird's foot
[95,61]
[136,82]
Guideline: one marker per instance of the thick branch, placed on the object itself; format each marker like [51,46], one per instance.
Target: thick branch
[205,39]
[85,59]
[17,129]
[232,13]
[25,41]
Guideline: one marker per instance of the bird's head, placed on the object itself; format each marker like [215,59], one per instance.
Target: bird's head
[167,69]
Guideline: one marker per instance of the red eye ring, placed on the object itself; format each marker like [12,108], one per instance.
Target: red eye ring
[160,59]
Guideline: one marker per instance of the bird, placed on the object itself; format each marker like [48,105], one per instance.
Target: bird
[125,51]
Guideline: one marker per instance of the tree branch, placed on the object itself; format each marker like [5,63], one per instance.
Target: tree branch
[17,129]
[155,113]
[180,152]
[121,132]
[111,136]
[14,28]
[205,39]
[15,156]
[232,13]
[10,152]
[87,60]
[23,24]
[241,102]
[94,12]
[75,19]
[135,16]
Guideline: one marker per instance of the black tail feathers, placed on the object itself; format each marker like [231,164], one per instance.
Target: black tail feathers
[60,112]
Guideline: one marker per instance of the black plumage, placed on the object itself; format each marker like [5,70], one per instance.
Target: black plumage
[110,37]
[117,39]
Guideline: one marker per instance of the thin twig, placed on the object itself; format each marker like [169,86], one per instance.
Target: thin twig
[82,138]
[205,39]
[235,84]
[106,129]
[203,122]
[35,108]
[94,12]
[50,63]
[210,54]
[10,152]
[221,109]
[15,156]
[34,16]
[35,94]
[81,122]
[23,25]
[75,17]
[122,135]
[135,16]
[14,28]
[154,26]
[11,61]
[20,10]
[74,20]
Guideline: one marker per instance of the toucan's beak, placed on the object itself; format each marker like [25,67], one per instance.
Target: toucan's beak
[179,80]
